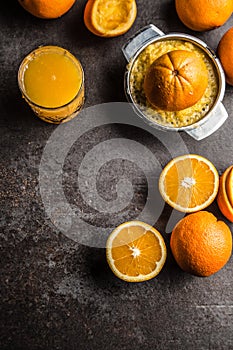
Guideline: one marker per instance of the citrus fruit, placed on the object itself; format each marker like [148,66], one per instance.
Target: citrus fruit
[225,53]
[189,183]
[200,244]
[204,15]
[229,186]
[109,18]
[176,80]
[135,251]
[47,8]
[224,198]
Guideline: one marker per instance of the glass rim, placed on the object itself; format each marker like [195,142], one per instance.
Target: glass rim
[21,72]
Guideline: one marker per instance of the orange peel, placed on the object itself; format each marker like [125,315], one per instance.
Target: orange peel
[109,18]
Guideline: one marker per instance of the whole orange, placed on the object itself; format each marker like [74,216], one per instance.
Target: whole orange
[200,244]
[47,8]
[225,53]
[176,80]
[201,15]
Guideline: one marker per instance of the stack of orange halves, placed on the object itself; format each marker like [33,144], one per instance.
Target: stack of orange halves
[225,193]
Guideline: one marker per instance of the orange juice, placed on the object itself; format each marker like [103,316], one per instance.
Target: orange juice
[51,81]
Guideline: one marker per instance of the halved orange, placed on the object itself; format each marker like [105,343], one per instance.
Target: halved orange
[135,251]
[189,183]
[222,198]
[109,18]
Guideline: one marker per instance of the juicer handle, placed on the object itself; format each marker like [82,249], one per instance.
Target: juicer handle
[217,118]
[137,41]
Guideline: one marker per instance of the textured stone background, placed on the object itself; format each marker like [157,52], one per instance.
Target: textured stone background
[57,293]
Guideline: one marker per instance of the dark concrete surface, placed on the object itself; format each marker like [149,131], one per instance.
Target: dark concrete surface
[55,292]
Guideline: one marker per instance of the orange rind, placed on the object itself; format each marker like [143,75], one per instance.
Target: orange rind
[201,244]
[47,9]
[223,200]
[229,186]
[225,54]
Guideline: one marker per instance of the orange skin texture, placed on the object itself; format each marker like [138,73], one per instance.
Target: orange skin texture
[202,15]
[47,9]
[222,198]
[176,80]
[200,244]
[225,53]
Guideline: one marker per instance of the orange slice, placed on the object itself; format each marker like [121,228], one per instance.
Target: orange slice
[189,183]
[109,18]
[135,251]
[229,186]
[222,198]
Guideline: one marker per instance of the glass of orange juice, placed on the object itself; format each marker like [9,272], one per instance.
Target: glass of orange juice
[51,81]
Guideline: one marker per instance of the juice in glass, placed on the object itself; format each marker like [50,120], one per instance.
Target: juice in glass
[51,80]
